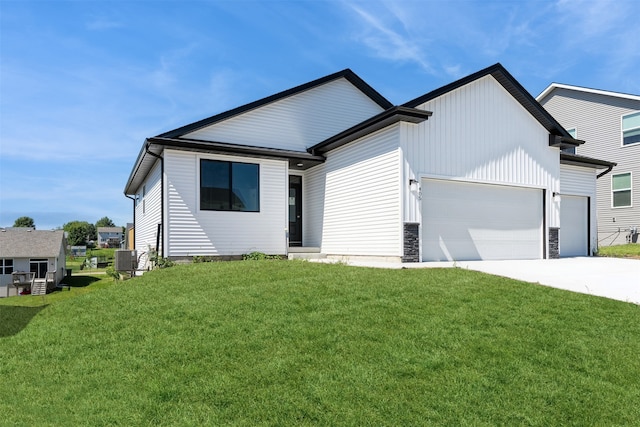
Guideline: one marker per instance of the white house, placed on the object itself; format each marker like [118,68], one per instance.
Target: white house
[29,250]
[610,123]
[468,171]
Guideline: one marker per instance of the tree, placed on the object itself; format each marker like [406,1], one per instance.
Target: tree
[80,232]
[25,221]
[105,222]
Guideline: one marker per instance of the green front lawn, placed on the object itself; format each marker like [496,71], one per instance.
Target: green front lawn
[297,343]
[630,250]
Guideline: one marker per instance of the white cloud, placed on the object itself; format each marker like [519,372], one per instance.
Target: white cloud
[388,43]
[102,23]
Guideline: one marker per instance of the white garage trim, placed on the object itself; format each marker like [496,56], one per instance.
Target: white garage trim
[574,225]
[471,221]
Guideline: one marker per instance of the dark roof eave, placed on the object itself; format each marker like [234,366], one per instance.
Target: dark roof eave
[380,121]
[157,144]
[186,144]
[564,142]
[136,167]
[349,75]
[576,160]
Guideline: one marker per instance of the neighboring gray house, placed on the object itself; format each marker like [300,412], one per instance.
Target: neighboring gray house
[466,171]
[37,251]
[109,237]
[609,122]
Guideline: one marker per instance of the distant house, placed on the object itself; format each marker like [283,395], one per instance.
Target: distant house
[109,237]
[609,122]
[28,250]
[471,170]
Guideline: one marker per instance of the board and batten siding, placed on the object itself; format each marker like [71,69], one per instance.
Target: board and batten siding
[598,121]
[149,212]
[479,133]
[353,201]
[578,181]
[296,122]
[191,231]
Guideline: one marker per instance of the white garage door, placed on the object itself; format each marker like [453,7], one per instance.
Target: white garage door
[467,221]
[574,224]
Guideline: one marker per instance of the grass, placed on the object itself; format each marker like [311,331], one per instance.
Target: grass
[80,284]
[295,343]
[630,250]
[75,263]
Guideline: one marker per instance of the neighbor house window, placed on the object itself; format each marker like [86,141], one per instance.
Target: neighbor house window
[6,266]
[621,190]
[229,186]
[631,128]
[574,134]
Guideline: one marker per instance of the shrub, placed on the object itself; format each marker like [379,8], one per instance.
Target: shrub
[111,272]
[257,256]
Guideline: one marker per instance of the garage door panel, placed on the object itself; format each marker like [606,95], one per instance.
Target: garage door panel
[465,221]
[574,224]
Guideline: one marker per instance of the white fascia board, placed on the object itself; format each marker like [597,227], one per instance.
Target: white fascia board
[553,86]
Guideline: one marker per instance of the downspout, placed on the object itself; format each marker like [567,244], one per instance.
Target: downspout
[146,148]
[605,172]
[133,199]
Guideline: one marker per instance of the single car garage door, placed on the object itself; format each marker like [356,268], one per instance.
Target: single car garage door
[469,221]
[574,226]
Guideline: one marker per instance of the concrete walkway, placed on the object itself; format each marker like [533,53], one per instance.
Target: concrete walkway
[615,278]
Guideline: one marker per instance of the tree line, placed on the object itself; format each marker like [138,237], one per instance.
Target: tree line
[80,233]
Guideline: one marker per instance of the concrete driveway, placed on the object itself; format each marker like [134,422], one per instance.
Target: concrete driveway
[614,278]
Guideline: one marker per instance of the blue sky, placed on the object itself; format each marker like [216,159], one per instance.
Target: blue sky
[83,83]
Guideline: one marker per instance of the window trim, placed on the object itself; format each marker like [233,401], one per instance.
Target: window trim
[630,190]
[4,266]
[622,130]
[574,150]
[230,162]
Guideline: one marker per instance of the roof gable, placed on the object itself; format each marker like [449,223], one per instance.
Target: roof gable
[554,86]
[515,89]
[346,74]
[295,122]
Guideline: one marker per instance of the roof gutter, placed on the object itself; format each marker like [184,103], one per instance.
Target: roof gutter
[133,199]
[161,158]
[601,174]
[573,159]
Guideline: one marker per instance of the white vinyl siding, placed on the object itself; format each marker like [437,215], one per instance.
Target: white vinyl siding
[470,221]
[480,133]
[192,231]
[574,224]
[149,211]
[296,122]
[577,181]
[352,202]
[597,116]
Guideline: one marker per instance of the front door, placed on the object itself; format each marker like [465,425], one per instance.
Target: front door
[295,210]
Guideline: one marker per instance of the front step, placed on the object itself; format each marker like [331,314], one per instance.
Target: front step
[39,288]
[305,252]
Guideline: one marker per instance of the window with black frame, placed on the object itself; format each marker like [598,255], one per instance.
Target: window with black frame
[6,266]
[229,186]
